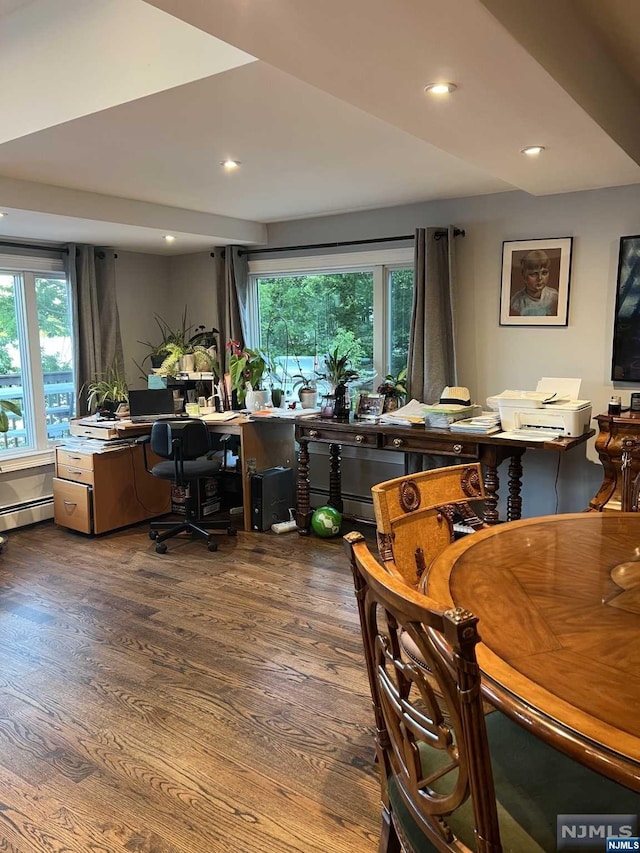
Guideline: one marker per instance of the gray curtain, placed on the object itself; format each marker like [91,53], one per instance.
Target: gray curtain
[232,287]
[98,345]
[432,360]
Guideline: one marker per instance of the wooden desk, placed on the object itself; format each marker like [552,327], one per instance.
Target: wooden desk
[558,598]
[488,450]
[263,444]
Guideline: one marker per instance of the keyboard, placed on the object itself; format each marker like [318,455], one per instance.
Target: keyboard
[151,419]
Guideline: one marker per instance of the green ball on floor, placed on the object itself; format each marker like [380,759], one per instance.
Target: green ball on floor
[326,522]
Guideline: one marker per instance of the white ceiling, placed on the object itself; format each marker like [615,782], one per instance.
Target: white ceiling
[116,114]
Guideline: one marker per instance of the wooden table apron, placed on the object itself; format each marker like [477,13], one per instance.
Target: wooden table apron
[488,450]
[560,635]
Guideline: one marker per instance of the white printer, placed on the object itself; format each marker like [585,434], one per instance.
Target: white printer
[553,407]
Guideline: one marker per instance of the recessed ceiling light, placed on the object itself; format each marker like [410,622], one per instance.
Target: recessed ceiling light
[2,214]
[532,150]
[230,165]
[169,238]
[440,88]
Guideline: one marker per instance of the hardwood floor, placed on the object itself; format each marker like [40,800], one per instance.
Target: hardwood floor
[195,702]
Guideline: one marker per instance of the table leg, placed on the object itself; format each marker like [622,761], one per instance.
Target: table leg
[491,486]
[303,507]
[335,478]
[514,501]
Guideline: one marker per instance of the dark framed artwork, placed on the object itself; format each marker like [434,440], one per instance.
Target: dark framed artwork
[535,282]
[625,362]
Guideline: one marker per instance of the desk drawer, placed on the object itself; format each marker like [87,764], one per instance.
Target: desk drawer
[72,505]
[326,435]
[77,475]
[421,443]
[74,460]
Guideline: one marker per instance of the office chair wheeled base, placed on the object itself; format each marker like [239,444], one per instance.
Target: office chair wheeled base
[161,530]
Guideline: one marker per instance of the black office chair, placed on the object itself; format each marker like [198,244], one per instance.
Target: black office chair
[183,443]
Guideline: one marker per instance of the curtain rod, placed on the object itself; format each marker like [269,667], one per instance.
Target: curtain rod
[457,232]
[37,246]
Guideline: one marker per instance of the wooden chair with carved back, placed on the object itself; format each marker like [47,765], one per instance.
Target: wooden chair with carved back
[453,779]
[630,488]
[416,514]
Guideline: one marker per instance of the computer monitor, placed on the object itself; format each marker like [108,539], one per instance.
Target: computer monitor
[151,404]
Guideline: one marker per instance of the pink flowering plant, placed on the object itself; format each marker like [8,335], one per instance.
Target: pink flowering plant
[246,368]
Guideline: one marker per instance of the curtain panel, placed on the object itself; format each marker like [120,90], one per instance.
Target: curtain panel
[231,295]
[97,341]
[432,356]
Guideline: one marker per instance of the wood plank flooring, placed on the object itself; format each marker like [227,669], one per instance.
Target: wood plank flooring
[191,702]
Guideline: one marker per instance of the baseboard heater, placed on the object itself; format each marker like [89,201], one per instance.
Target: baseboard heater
[29,512]
[355,506]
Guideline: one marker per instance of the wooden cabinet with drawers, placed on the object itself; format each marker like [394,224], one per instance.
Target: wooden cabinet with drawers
[613,429]
[96,492]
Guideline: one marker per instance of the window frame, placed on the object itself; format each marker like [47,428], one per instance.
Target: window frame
[28,268]
[378,262]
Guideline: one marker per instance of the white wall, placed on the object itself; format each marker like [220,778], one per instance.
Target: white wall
[492,357]
[143,290]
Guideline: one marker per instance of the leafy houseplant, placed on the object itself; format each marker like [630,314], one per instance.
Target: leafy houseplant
[246,368]
[337,370]
[169,336]
[106,392]
[8,406]
[394,389]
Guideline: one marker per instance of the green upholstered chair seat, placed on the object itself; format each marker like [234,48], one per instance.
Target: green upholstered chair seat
[534,783]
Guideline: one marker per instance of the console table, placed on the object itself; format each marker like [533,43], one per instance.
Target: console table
[612,432]
[488,450]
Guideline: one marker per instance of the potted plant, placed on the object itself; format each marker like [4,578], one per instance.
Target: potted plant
[394,389]
[169,336]
[307,390]
[8,406]
[106,392]
[337,370]
[246,369]
[337,373]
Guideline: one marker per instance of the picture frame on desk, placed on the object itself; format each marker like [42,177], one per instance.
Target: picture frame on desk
[370,406]
[625,361]
[535,282]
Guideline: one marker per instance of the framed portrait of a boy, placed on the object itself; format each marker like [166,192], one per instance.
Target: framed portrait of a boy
[535,282]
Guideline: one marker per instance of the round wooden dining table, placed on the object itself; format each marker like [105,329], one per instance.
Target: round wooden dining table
[558,602]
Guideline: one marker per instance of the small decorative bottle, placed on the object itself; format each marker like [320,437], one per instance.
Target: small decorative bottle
[615,406]
[343,401]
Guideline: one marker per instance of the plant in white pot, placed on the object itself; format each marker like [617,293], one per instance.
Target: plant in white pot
[307,390]
[247,368]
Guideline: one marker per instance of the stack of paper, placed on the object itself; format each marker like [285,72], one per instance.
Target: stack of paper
[485,424]
[412,413]
[443,415]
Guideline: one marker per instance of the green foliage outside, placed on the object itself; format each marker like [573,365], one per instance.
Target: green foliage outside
[52,314]
[320,312]
[329,310]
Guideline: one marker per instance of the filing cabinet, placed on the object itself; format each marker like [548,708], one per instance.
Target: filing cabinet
[94,492]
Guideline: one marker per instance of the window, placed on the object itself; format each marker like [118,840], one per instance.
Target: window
[304,307]
[36,353]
